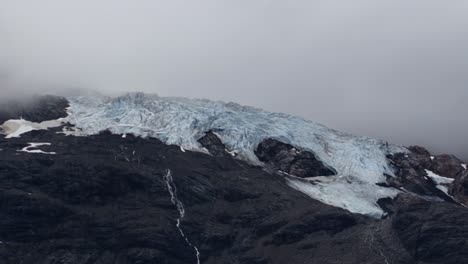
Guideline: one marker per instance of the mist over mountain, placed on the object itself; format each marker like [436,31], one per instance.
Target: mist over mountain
[392,70]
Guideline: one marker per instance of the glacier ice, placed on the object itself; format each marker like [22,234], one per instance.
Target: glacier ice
[360,161]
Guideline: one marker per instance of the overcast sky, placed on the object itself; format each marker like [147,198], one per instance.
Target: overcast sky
[391,69]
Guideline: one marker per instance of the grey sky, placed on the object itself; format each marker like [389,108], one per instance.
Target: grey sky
[391,69]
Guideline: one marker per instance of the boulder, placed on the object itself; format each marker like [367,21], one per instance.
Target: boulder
[291,160]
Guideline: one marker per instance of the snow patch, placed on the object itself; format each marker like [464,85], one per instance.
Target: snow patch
[32,148]
[443,183]
[432,157]
[464,166]
[232,153]
[345,192]
[16,127]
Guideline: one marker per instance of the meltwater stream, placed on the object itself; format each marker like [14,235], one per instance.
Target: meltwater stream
[180,207]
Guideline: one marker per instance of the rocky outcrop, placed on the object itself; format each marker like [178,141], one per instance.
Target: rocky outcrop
[431,232]
[35,109]
[411,175]
[459,188]
[447,165]
[412,169]
[291,160]
[213,144]
[418,150]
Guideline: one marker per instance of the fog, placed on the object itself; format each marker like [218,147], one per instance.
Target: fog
[390,69]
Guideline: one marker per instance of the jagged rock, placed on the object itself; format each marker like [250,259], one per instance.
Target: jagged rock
[419,150]
[411,175]
[459,188]
[213,144]
[288,159]
[447,165]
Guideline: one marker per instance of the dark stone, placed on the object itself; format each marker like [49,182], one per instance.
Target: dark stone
[291,160]
[459,188]
[418,150]
[447,166]
[432,232]
[410,174]
[213,144]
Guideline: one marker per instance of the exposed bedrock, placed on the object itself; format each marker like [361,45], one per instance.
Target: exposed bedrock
[459,188]
[445,165]
[34,109]
[431,232]
[410,172]
[289,159]
[213,144]
[426,175]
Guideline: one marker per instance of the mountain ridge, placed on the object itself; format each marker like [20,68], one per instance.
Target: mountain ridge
[103,198]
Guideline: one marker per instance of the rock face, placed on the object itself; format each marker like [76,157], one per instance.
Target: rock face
[35,109]
[413,169]
[459,188]
[431,232]
[288,159]
[213,144]
[410,172]
[108,199]
[447,165]
[418,150]
[103,199]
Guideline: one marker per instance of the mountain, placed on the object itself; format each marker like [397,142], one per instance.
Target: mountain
[148,179]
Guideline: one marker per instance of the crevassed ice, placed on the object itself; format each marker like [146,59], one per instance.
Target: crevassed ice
[182,122]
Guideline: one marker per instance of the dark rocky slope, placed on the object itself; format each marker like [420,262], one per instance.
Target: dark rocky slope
[105,199]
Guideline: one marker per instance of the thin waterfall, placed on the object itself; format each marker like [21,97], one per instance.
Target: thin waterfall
[180,207]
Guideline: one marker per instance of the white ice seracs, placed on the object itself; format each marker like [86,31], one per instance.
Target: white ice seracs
[360,161]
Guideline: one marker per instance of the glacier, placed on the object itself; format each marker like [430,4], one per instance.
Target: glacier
[360,162]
